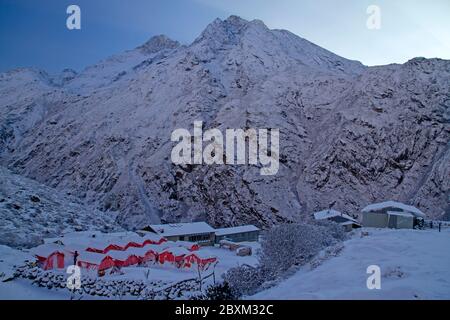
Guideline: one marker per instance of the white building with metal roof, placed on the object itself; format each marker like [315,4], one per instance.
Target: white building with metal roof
[238,234]
[391,214]
[199,232]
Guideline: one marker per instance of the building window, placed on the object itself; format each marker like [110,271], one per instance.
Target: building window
[200,238]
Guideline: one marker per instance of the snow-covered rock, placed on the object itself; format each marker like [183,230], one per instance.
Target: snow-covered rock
[30,212]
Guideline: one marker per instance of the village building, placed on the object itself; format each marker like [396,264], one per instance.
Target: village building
[343,219]
[95,261]
[391,214]
[199,232]
[49,256]
[237,234]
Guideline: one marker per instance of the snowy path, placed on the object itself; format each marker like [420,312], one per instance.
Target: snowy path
[22,289]
[151,212]
[414,265]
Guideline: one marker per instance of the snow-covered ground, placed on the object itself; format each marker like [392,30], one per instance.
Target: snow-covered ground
[10,257]
[414,264]
[20,288]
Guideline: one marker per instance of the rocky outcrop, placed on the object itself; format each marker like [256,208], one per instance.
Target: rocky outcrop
[31,212]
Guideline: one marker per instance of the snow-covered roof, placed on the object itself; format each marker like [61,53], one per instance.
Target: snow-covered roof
[178,229]
[44,250]
[325,214]
[331,213]
[120,239]
[155,247]
[401,214]
[140,252]
[123,235]
[124,241]
[72,247]
[394,204]
[78,243]
[91,257]
[101,241]
[114,236]
[184,244]
[346,223]
[234,230]
[152,236]
[177,251]
[120,255]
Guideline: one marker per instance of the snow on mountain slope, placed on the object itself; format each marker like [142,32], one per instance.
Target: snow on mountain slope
[30,212]
[9,259]
[121,66]
[252,45]
[28,97]
[414,265]
[349,135]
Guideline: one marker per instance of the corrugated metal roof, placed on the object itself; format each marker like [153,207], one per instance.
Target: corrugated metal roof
[394,204]
[179,229]
[234,230]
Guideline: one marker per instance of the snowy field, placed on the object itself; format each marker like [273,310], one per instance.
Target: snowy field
[414,265]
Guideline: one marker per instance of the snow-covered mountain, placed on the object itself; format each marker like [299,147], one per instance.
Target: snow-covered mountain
[349,134]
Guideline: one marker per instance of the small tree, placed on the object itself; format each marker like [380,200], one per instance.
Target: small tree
[244,280]
[219,292]
[336,230]
[282,248]
[290,245]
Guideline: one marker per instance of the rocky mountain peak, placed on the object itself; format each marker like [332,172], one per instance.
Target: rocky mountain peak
[238,39]
[64,77]
[158,43]
[228,31]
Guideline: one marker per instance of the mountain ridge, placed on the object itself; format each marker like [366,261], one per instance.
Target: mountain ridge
[350,134]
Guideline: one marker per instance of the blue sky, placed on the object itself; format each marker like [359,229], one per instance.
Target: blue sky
[34,33]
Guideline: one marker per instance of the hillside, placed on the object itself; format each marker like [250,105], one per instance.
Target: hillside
[31,212]
[413,266]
